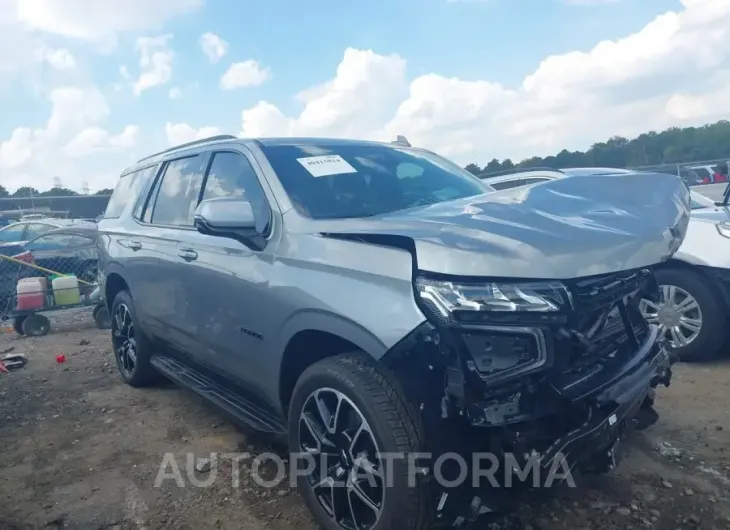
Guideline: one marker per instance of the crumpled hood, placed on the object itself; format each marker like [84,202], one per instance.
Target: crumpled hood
[560,229]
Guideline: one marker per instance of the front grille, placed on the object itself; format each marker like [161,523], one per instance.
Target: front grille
[606,323]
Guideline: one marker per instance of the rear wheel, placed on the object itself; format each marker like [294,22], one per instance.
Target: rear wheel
[18,324]
[690,314]
[132,349]
[36,325]
[345,415]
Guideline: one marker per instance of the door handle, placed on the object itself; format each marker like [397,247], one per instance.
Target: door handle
[187,254]
[134,245]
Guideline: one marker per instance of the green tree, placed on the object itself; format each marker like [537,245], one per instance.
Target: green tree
[58,192]
[105,191]
[4,192]
[673,146]
[26,191]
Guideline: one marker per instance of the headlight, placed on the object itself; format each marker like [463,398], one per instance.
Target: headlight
[723,229]
[459,300]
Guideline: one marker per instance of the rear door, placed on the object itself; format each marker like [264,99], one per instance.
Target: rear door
[154,269]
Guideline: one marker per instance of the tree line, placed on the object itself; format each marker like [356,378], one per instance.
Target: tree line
[56,191]
[673,146]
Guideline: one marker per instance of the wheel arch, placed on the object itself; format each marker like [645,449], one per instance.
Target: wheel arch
[704,272]
[311,336]
[114,283]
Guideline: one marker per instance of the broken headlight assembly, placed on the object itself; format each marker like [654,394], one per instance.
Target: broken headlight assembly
[500,324]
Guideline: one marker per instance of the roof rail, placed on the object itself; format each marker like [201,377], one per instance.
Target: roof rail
[216,138]
[515,170]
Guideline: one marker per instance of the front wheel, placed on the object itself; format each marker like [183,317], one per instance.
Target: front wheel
[132,349]
[345,415]
[690,314]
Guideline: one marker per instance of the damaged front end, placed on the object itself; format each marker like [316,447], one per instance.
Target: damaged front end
[530,372]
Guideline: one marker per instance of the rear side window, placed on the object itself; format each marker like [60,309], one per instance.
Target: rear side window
[507,184]
[50,242]
[178,192]
[533,180]
[127,190]
[13,233]
[36,229]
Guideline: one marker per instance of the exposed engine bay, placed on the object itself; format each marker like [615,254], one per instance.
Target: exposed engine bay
[532,386]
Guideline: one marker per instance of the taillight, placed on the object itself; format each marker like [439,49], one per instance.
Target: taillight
[25,257]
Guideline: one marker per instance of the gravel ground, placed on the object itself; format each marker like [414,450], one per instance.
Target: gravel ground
[81,450]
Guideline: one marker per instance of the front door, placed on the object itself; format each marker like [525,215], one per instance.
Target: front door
[227,283]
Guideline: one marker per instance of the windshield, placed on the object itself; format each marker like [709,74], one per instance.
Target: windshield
[361,180]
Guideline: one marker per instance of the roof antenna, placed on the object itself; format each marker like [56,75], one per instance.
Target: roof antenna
[402,140]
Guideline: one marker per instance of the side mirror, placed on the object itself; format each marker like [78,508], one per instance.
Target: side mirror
[224,214]
[230,217]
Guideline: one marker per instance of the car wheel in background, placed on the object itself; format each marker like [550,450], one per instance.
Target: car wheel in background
[101,316]
[132,350]
[18,324]
[36,325]
[690,314]
[346,413]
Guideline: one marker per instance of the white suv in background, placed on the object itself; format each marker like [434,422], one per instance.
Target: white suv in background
[694,310]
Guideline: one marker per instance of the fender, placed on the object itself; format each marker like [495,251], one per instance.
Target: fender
[319,320]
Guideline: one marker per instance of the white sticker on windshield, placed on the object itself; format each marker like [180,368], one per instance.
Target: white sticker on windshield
[324,166]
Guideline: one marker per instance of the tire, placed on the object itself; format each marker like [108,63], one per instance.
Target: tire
[708,343]
[18,324]
[141,373]
[394,426]
[36,325]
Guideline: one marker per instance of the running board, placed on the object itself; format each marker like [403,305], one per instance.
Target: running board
[250,415]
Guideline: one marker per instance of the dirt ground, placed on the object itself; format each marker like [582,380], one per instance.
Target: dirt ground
[81,450]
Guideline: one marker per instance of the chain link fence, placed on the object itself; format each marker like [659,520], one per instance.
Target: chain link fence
[57,270]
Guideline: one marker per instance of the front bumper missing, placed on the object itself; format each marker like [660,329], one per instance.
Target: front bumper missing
[621,404]
[600,409]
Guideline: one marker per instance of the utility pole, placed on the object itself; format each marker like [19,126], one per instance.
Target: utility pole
[85,188]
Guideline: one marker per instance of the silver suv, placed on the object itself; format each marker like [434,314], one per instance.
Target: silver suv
[377,307]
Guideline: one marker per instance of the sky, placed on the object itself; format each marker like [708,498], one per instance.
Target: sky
[87,87]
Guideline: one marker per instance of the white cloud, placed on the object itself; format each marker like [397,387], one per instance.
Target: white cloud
[60,59]
[98,20]
[355,103]
[175,93]
[213,46]
[243,75]
[155,63]
[675,71]
[33,157]
[180,133]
